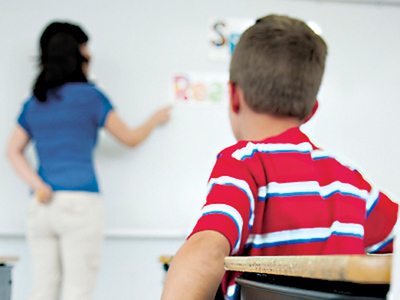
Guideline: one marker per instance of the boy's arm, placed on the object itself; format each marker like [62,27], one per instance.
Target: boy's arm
[197,269]
[380,226]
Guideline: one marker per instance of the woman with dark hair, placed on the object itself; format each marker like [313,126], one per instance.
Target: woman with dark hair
[62,118]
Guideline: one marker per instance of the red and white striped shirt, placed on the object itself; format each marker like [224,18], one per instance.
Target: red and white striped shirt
[284,196]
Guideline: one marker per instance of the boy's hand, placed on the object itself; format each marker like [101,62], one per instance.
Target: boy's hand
[43,193]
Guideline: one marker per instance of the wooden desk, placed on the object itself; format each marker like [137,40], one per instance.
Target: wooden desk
[5,276]
[7,259]
[313,277]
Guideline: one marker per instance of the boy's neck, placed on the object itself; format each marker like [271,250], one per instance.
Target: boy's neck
[259,126]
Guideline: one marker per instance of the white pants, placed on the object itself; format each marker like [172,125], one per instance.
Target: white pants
[65,238]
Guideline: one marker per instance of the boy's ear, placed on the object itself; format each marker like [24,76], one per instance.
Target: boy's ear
[234,97]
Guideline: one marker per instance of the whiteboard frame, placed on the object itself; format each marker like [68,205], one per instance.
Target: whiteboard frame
[376,2]
[118,234]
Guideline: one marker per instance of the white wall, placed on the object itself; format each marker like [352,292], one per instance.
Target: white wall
[136,46]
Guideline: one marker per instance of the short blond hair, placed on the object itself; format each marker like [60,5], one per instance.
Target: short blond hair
[279,63]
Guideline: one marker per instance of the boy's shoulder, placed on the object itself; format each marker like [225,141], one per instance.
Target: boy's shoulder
[291,138]
[229,151]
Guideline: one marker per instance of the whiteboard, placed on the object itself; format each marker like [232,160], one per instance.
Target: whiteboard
[137,46]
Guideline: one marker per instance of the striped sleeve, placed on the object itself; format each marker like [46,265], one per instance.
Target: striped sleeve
[229,208]
[381,224]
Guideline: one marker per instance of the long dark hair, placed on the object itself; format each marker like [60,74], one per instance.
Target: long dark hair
[60,58]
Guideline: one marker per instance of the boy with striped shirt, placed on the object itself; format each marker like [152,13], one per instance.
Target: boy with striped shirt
[275,192]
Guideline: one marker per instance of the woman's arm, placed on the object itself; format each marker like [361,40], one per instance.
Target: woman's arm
[132,137]
[15,152]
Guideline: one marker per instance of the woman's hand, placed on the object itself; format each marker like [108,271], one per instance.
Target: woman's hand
[43,193]
[161,116]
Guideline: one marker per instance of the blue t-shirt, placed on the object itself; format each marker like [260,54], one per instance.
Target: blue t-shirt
[64,130]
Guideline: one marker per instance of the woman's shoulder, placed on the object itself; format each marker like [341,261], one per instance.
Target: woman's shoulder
[28,100]
[84,92]
[79,86]
[83,87]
